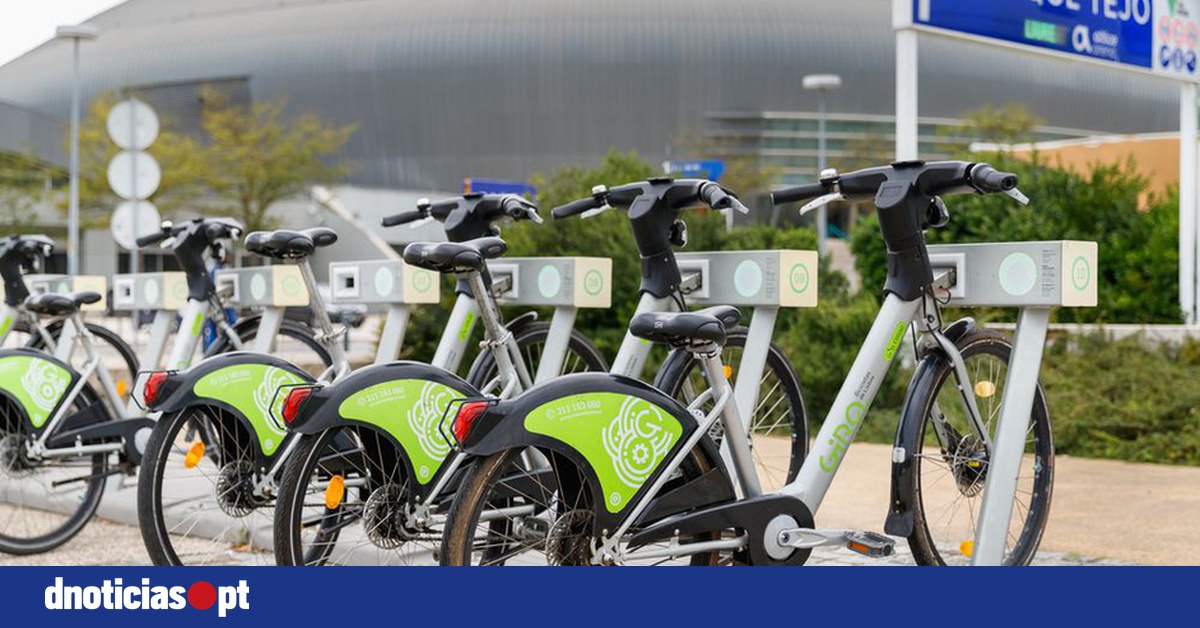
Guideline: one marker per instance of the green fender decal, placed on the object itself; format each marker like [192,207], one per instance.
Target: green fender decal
[37,384]
[623,437]
[5,326]
[410,410]
[250,388]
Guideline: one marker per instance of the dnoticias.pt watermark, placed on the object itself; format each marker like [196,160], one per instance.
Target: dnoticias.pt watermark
[116,595]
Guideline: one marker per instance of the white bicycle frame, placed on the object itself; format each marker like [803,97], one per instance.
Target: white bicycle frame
[974,271]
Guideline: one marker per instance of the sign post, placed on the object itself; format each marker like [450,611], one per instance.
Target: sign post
[1155,37]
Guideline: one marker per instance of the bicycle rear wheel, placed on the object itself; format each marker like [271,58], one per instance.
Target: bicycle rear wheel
[200,494]
[581,355]
[779,427]
[116,355]
[295,343]
[951,463]
[44,503]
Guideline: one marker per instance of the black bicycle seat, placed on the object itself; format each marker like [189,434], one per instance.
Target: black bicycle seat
[53,304]
[454,257]
[289,244]
[685,328]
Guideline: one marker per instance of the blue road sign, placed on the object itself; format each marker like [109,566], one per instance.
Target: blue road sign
[1159,36]
[710,169]
[498,186]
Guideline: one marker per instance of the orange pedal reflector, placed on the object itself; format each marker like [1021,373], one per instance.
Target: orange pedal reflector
[728,371]
[967,548]
[985,389]
[335,492]
[194,455]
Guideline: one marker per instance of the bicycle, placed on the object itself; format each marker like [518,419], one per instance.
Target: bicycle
[367,481]
[23,254]
[199,246]
[636,478]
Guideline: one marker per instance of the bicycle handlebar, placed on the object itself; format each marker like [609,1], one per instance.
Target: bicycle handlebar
[948,178]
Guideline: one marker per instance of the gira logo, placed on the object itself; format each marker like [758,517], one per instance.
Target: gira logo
[1171,4]
[842,435]
[113,595]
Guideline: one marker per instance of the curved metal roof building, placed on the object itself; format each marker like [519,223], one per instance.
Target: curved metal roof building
[444,89]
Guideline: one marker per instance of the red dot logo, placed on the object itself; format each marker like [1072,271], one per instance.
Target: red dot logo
[202,595]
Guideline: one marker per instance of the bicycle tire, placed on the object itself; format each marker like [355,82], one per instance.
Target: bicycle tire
[925,391]
[103,334]
[586,355]
[681,367]
[75,522]
[294,486]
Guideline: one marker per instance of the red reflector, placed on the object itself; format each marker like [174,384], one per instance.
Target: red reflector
[465,419]
[154,385]
[294,401]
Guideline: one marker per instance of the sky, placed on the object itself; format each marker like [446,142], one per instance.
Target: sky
[27,24]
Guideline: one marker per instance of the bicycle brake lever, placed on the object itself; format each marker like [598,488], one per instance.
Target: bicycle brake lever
[168,243]
[418,223]
[1017,196]
[824,200]
[592,213]
[534,216]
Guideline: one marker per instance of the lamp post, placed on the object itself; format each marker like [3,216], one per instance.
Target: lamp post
[822,83]
[76,33]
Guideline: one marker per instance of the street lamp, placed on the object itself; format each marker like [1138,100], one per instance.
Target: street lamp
[822,83]
[76,33]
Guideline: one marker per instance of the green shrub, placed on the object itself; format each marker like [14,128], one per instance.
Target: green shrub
[1124,399]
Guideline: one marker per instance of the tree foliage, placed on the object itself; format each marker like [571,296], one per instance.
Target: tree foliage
[247,159]
[25,183]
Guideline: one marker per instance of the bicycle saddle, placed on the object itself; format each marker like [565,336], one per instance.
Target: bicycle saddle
[52,304]
[289,245]
[454,257]
[684,328]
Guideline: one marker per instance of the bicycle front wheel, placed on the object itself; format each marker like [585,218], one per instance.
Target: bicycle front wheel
[951,462]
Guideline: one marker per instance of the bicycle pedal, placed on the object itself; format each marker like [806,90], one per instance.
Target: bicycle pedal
[870,544]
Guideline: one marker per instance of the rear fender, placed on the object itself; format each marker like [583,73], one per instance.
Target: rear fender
[246,385]
[404,400]
[37,382]
[619,432]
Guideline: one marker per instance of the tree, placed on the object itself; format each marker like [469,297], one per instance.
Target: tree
[246,159]
[24,184]
[254,156]
[1010,123]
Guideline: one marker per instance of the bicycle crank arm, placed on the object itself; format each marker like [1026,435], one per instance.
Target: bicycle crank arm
[870,544]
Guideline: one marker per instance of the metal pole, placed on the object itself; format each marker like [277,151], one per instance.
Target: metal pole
[1008,445]
[1187,202]
[73,208]
[134,252]
[822,216]
[906,95]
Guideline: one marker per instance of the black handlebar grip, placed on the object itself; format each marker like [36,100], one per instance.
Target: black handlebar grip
[987,179]
[576,207]
[152,239]
[518,208]
[715,197]
[402,218]
[799,193]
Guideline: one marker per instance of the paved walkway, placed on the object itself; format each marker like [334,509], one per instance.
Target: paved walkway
[1103,513]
